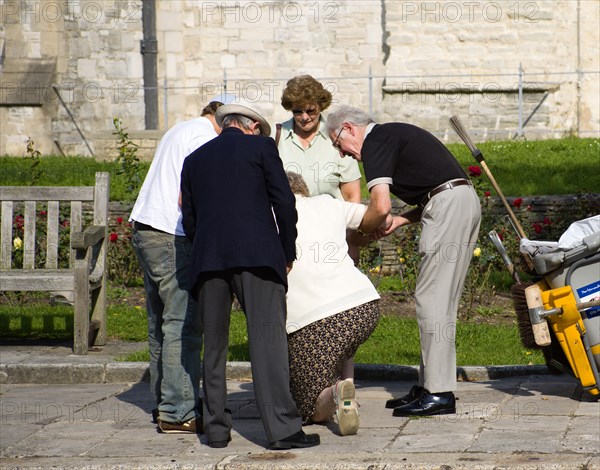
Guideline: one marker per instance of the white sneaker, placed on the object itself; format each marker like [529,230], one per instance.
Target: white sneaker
[346,411]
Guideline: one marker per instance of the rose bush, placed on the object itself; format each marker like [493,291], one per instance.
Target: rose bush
[123,265]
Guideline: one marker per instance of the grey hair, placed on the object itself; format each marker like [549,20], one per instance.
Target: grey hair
[239,119]
[297,184]
[345,113]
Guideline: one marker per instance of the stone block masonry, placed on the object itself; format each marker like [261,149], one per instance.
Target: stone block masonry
[402,60]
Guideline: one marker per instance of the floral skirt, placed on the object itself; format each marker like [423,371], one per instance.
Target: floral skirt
[318,350]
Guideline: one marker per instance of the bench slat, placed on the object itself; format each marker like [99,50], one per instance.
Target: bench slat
[52,235]
[29,235]
[6,240]
[37,280]
[75,225]
[47,193]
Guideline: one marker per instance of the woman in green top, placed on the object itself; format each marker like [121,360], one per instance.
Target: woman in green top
[305,147]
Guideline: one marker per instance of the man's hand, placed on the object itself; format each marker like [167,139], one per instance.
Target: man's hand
[391,224]
[289,267]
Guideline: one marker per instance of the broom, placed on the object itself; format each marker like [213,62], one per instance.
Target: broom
[527,331]
[533,331]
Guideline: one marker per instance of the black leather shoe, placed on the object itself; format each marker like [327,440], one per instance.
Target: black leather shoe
[299,440]
[219,444]
[415,392]
[429,404]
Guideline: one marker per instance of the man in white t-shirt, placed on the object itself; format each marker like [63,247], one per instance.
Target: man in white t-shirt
[174,329]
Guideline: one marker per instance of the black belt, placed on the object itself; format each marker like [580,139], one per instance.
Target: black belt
[143,227]
[443,187]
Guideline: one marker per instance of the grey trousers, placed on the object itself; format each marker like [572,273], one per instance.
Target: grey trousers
[262,297]
[450,225]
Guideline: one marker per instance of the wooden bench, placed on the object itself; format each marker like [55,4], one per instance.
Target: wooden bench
[81,278]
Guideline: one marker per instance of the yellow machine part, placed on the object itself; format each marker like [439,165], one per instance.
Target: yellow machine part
[568,329]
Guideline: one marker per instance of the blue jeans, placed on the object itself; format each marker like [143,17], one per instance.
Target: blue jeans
[174,326]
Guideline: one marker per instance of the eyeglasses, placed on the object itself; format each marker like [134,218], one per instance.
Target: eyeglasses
[309,111]
[336,144]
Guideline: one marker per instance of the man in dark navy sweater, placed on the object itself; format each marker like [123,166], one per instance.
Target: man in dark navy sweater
[239,213]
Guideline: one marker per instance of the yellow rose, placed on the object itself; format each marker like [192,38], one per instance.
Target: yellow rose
[17,243]
[477,251]
[402,260]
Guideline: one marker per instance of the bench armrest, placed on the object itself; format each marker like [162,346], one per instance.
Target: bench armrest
[89,237]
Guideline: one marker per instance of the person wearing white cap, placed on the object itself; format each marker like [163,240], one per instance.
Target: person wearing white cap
[239,213]
[174,332]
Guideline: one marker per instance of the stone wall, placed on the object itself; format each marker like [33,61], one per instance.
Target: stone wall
[402,60]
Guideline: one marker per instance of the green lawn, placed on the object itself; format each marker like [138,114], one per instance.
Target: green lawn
[64,171]
[537,168]
[395,340]
[521,168]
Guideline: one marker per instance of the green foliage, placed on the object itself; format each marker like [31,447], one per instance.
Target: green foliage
[127,323]
[521,168]
[534,168]
[66,171]
[41,228]
[396,341]
[123,266]
[35,321]
[33,156]
[128,161]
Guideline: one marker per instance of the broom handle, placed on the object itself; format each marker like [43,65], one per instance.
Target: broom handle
[461,130]
[511,214]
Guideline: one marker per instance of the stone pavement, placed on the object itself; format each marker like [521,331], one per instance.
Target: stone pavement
[71,419]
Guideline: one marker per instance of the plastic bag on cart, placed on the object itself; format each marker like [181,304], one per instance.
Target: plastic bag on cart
[577,231]
[571,238]
[581,239]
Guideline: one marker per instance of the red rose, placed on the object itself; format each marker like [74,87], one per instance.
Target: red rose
[474,170]
[501,236]
[487,194]
[113,237]
[43,213]
[537,227]
[517,202]
[547,221]
[119,220]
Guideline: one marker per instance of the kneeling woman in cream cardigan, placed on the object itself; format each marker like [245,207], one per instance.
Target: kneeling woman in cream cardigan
[332,308]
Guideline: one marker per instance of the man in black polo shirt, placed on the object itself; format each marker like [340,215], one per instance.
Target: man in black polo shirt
[412,164]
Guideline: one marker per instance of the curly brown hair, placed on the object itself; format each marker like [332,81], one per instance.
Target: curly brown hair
[304,90]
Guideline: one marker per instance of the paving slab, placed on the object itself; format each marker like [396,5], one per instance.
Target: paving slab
[109,426]
[94,412]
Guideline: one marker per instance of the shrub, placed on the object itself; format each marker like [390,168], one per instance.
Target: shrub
[41,229]
[123,265]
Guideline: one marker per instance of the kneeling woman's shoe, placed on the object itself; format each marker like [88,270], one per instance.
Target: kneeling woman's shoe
[346,408]
[429,404]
